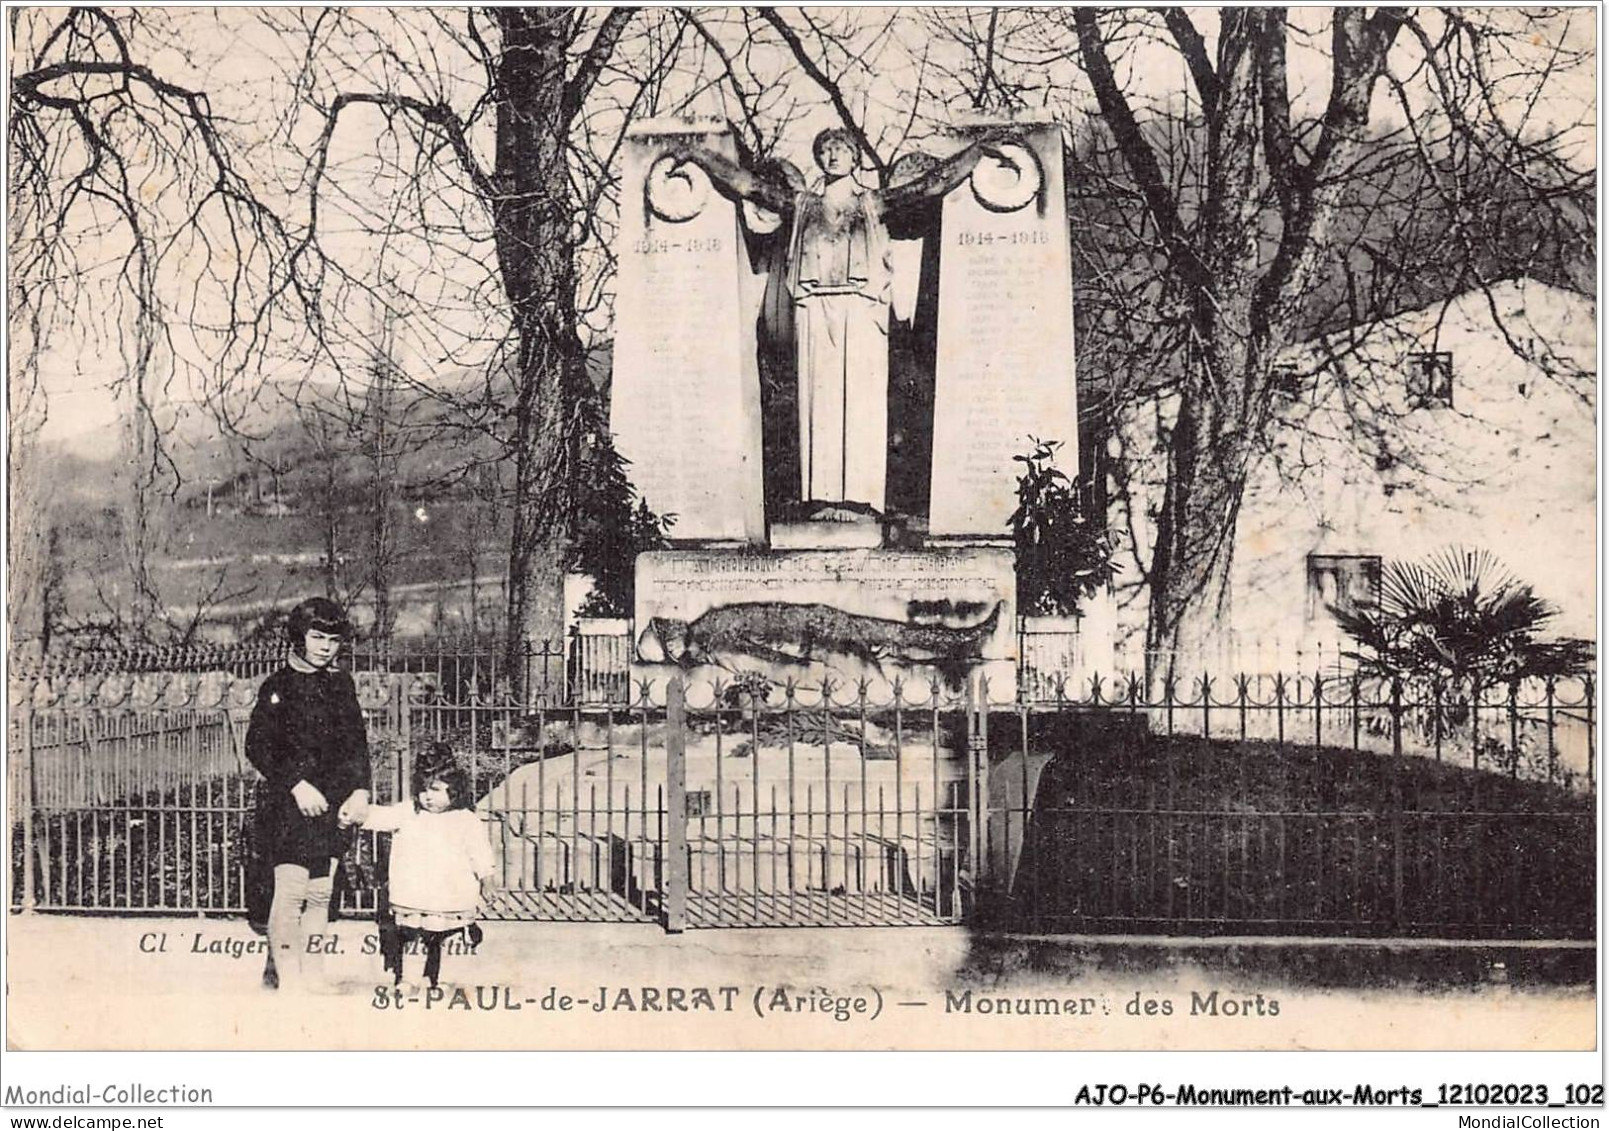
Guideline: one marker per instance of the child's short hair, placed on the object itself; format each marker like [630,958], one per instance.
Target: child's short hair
[438,763]
[318,613]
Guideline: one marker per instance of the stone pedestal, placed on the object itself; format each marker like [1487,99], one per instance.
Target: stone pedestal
[1005,345]
[685,399]
[851,614]
[826,535]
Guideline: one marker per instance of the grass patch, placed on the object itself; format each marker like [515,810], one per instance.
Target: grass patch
[1187,835]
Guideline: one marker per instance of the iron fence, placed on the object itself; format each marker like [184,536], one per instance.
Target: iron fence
[600,661]
[1540,730]
[1296,805]
[1300,805]
[129,811]
[123,805]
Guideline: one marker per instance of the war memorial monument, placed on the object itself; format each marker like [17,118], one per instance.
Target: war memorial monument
[827,385]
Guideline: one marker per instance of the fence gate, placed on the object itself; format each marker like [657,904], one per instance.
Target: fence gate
[827,814]
[718,807]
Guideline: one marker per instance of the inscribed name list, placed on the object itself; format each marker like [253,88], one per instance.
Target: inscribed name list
[685,397]
[1005,345]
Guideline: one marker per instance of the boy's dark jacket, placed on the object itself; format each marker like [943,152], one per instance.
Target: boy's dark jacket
[306,726]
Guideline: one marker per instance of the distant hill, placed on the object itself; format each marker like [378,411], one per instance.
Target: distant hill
[446,427]
[251,514]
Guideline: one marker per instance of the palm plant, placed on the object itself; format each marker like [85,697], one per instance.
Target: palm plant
[1448,629]
[1460,620]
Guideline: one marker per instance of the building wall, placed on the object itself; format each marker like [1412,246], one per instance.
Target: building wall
[1356,468]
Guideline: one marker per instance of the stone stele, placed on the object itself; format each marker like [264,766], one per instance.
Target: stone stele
[685,400]
[1005,335]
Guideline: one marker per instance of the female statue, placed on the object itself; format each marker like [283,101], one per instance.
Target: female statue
[838,277]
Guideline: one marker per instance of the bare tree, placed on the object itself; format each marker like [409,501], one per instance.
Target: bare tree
[1254,203]
[122,182]
[437,136]
[493,146]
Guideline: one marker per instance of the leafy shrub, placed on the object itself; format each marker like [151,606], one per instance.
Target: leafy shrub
[1063,557]
[613,526]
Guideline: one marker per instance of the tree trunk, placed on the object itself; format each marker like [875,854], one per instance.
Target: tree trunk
[382,488]
[1190,569]
[54,595]
[536,256]
[30,549]
[1219,406]
[139,523]
[1240,311]
[332,525]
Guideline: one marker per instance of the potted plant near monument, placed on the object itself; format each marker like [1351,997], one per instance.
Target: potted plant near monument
[1064,565]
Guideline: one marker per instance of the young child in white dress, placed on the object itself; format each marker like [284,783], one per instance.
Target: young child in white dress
[441,865]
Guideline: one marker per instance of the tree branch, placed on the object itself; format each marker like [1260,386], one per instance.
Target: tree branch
[30,85]
[980,97]
[437,115]
[597,57]
[1137,153]
[1278,145]
[755,139]
[830,88]
[1194,50]
[1358,50]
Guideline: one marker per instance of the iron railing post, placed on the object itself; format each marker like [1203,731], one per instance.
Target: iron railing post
[675,898]
[977,710]
[24,792]
[1590,687]
[574,665]
[1396,717]
[1398,832]
[1553,750]
[524,687]
[402,726]
[985,864]
[1514,728]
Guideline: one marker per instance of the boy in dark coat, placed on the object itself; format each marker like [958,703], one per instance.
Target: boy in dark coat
[307,739]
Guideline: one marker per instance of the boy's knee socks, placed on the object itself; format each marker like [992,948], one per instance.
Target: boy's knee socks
[285,941]
[300,911]
[315,922]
